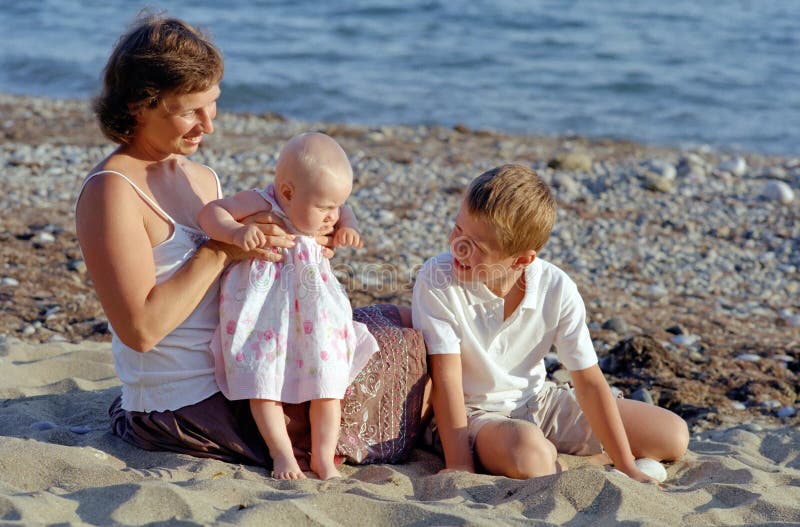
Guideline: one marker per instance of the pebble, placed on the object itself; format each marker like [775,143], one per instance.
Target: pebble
[45,237]
[685,340]
[79,266]
[80,429]
[738,405]
[675,330]
[561,376]
[616,324]
[643,395]
[778,191]
[657,291]
[8,281]
[749,357]
[572,161]
[28,330]
[753,427]
[736,166]
[43,425]
[551,361]
[786,411]
[783,358]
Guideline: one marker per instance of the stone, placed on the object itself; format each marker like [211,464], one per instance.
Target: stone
[40,426]
[685,340]
[561,376]
[80,429]
[736,166]
[45,237]
[77,265]
[749,357]
[663,169]
[779,191]
[675,330]
[658,183]
[643,395]
[615,324]
[572,161]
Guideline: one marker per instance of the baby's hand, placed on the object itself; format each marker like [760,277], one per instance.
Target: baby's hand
[249,237]
[347,237]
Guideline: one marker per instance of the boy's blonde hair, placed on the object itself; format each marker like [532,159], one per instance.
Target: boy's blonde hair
[520,206]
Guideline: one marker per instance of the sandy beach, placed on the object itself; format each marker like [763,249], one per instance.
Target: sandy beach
[687,261]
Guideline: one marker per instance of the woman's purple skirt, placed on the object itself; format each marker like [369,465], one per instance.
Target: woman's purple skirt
[382,412]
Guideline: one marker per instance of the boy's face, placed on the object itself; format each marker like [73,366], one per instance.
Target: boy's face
[477,255]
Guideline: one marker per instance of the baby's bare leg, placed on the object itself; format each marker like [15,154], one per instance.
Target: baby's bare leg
[325,416]
[272,425]
[515,449]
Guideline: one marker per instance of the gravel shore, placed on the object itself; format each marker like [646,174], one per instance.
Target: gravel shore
[688,260]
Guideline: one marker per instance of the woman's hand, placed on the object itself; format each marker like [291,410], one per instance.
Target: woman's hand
[325,239]
[275,239]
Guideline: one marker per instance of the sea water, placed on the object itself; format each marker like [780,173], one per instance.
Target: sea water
[680,73]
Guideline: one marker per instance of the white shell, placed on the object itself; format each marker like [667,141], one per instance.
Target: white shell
[652,468]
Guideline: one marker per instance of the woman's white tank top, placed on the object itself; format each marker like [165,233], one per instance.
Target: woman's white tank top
[179,370]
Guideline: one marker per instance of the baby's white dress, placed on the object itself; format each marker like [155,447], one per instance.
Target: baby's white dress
[286,330]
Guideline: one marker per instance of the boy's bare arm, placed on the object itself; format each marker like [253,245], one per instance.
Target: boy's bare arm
[448,407]
[598,403]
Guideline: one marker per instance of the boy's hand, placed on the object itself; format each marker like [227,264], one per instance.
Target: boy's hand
[249,237]
[347,237]
[633,472]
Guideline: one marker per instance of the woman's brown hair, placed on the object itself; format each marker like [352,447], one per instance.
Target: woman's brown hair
[156,57]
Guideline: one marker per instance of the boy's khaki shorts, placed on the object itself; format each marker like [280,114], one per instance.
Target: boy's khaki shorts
[554,410]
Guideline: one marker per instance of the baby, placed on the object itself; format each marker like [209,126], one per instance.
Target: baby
[286,331]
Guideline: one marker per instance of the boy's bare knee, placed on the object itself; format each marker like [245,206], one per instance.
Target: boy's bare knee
[532,455]
[680,440]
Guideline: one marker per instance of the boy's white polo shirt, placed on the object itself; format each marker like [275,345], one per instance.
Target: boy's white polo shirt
[502,360]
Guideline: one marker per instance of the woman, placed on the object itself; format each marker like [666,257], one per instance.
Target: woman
[155,272]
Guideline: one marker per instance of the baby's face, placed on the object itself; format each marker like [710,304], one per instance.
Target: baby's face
[315,208]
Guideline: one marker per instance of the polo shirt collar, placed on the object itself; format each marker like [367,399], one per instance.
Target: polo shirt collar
[479,294]
[532,273]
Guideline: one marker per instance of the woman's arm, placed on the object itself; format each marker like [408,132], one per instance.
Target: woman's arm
[119,259]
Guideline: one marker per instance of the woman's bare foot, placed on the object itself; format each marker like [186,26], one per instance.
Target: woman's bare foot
[286,467]
[324,468]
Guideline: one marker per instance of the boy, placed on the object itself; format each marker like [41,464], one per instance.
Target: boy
[489,311]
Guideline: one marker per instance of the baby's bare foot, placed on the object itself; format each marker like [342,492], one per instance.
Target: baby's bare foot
[286,467]
[325,468]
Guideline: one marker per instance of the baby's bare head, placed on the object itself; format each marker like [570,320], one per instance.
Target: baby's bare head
[313,160]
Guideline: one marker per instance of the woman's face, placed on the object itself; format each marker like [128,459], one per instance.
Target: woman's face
[177,124]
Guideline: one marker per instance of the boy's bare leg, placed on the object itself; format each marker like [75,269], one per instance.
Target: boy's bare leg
[515,449]
[325,416]
[652,431]
[272,425]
